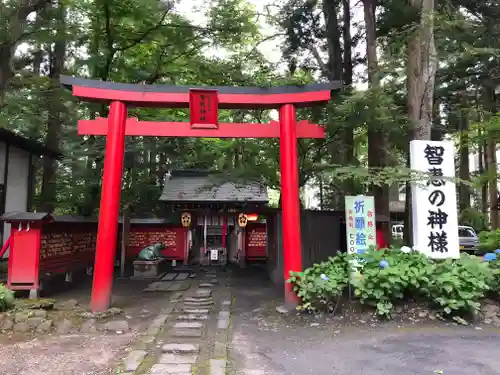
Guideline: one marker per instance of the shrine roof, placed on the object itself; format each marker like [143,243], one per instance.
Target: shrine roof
[29,145]
[173,96]
[203,186]
[25,216]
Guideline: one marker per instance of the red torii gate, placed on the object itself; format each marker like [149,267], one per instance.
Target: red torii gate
[203,104]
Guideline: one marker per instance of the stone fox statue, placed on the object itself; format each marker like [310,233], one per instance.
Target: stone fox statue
[151,252]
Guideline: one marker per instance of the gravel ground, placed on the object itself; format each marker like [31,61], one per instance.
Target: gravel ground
[64,355]
[82,354]
[267,343]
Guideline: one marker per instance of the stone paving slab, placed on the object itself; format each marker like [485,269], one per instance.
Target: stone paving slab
[189,332]
[134,360]
[205,285]
[217,367]
[166,286]
[198,299]
[188,325]
[198,303]
[191,310]
[193,317]
[169,276]
[182,276]
[180,348]
[223,320]
[171,369]
[203,293]
[169,358]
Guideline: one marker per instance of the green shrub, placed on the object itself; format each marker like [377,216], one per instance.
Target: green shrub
[489,240]
[322,284]
[390,275]
[6,298]
[457,286]
[495,270]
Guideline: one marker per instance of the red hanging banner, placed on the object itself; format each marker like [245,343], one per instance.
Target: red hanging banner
[204,109]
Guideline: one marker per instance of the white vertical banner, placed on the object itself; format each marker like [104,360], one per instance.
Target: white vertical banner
[360,223]
[434,199]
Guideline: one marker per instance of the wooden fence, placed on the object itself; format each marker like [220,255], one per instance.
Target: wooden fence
[323,234]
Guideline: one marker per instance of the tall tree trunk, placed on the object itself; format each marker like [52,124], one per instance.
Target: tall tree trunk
[55,112]
[492,181]
[491,157]
[421,68]
[347,130]
[481,169]
[347,39]
[429,68]
[333,39]
[377,138]
[464,172]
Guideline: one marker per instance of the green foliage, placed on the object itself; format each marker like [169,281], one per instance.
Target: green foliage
[474,218]
[406,275]
[457,287]
[322,284]
[7,298]
[489,240]
[495,269]
[387,277]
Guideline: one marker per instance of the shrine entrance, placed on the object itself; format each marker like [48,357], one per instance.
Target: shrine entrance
[204,104]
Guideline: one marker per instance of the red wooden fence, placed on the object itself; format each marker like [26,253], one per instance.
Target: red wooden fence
[44,246]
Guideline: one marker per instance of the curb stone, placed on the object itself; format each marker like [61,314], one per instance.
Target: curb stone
[218,363]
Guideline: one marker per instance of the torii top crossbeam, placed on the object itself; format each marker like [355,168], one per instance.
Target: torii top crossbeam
[171,96]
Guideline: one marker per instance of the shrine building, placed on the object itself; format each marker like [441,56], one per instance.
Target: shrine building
[17,171]
[220,217]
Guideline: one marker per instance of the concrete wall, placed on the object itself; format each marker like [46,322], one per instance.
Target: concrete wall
[17,186]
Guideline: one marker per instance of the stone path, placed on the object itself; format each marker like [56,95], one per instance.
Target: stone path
[171,282]
[190,338]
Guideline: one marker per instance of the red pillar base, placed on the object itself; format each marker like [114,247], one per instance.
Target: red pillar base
[292,249]
[109,208]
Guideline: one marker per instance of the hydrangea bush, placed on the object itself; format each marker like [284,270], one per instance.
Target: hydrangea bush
[322,284]
[384,278]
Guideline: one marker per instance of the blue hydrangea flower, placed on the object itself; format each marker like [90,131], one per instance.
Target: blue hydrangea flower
[384,264]
[489,257]
[323,277]
[497,251]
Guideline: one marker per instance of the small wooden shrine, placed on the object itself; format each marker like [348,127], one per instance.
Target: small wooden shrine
[221,215]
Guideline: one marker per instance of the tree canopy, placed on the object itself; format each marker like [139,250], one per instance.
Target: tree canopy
[411,69]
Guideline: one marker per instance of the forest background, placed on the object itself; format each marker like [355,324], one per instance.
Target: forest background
[410,69]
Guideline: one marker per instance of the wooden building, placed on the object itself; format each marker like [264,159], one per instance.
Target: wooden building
[224,224]
[17,174]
